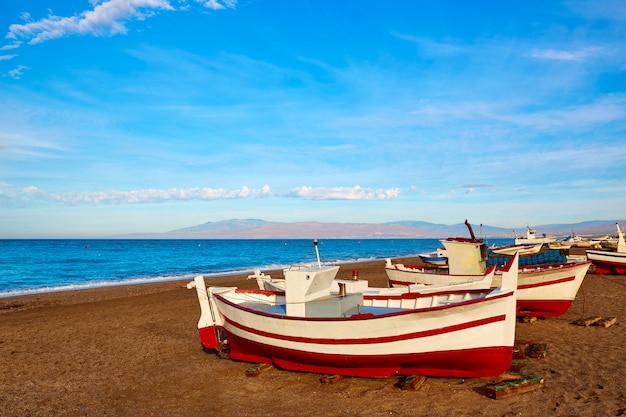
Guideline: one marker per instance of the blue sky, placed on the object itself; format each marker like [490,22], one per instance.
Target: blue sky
[126,116]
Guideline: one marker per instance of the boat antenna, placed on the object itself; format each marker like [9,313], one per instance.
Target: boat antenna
[317,252]
[469,226]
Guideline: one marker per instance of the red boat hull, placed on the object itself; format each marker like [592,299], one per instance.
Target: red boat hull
[543,308]
[606,268]
[460,363]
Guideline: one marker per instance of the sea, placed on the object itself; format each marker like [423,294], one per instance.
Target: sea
[31,266]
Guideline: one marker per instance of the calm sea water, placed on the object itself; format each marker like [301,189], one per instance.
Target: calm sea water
[37,266]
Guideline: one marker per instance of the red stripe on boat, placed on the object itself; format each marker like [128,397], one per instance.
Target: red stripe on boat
[361,341]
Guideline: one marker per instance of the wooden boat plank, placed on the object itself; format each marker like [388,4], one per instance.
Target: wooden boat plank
[588,321]
[259,369]
[515,387]
[412,382]
[331,379]
[606,322]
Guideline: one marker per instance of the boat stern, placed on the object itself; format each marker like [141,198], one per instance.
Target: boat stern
[211,323]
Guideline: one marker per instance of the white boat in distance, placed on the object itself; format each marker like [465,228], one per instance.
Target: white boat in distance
[437,258]
[521,249]
[306,328]
[609,262]
[531,238]
[542,290]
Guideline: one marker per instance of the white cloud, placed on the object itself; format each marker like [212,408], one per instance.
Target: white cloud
[106,19]
[216,5]
[343,193]
[7,57]
[187,194]
[145,196]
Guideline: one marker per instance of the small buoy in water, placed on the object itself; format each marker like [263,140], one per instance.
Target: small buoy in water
[86,246]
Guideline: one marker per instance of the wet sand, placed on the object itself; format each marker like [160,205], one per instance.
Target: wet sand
[135,351]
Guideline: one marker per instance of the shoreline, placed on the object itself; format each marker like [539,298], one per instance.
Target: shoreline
[126,288]
[239,275]
[135,350]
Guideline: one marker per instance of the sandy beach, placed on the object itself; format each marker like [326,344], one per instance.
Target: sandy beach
[135,351]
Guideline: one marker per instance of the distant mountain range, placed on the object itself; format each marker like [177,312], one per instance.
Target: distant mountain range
[261,229]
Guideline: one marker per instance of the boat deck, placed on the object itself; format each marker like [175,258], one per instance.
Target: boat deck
[281,310]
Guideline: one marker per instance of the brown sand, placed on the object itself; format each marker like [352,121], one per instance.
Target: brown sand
[134,351]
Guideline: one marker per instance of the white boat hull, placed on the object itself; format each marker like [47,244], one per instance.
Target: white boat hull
[550,290]
[470,336]
[542,291]
[610,263]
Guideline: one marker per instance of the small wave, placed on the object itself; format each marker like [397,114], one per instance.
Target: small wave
[88,285]
[148,280]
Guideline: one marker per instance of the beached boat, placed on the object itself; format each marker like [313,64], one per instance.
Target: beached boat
[585,242]
[548,290]
[543,290]
[521,249]
[531,238]
[437,258]
[609,262]
[306,328]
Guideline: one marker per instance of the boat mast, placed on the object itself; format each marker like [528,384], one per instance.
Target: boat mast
[317,252]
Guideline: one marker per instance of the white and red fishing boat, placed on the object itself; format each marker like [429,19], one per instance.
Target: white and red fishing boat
[610,262]
[307,328]
[543,290]
[548,290]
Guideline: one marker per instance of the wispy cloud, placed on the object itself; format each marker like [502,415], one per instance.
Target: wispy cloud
[432,47]
[107,18]
[471,188]
[18,71]
[19,145]
[601,111]
[14,45]
[343,193]
[562,55]
[144,196]
[611,10]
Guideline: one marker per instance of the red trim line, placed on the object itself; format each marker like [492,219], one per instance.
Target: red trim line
[255,291]
[543,284]
[362,341]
